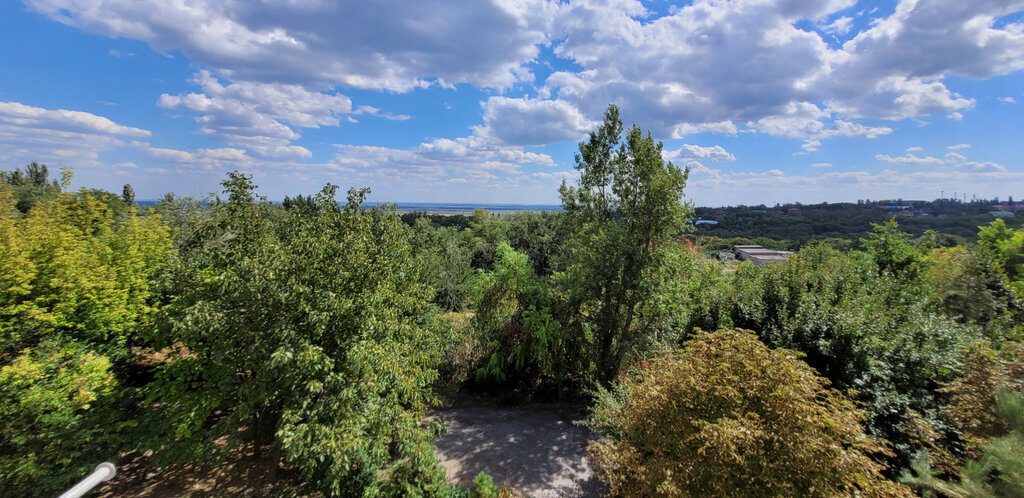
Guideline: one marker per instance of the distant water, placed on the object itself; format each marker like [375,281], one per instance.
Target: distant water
[444,207]
[466,208]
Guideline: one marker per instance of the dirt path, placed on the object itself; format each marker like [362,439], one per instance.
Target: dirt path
[537,451]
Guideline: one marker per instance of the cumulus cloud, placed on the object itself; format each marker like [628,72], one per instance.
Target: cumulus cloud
[532,121]
[714,153]
[477,159]
[718,66]
[262,116]
[1008,100]
[821,165]
[732,188]
[959,146]
[29,133]
[955,159]
[200,157]
[811,146]
[909,159]
[374,45]
[914,149]
[732,62]
[840,26]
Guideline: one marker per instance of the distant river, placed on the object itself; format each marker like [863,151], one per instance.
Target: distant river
[445,207]
[467,208]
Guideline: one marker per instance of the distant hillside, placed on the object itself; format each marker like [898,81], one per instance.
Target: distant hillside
[798,222]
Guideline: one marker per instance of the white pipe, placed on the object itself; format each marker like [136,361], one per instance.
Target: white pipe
[103,472]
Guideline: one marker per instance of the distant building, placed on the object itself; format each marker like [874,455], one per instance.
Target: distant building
[759,255]
[1009,207]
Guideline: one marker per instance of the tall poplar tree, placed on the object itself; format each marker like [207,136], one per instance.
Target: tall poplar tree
[627,206]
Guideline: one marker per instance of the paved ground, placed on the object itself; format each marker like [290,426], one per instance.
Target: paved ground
[535,450]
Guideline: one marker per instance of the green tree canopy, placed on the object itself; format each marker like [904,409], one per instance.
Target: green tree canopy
[626,207]
[315,333]
[726,416]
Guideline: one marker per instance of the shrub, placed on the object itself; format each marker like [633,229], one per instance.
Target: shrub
[726,416]
[49,400]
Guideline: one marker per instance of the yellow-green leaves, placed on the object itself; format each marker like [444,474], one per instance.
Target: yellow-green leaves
[726,416]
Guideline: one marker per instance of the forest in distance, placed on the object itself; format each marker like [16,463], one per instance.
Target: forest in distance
[883,358]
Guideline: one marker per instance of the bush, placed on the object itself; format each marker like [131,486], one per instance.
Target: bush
[312,331]
[53,430]
[726,416]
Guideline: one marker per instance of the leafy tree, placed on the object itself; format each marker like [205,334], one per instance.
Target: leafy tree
[1007,247]
[539,235]
[75,290]
[867,333]
[892,251]
[521,336]
[56,425]
[77,273]
[972,403]
[32,184]
[624,211]
[314,332]
[998,472]
[445,259]
[726,416]
[303,204]
[128,194]
[486,231]
[967,287]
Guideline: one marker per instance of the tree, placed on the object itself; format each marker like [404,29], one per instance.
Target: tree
[1006,246]
[128,194]
[998,472]
[53,401]
[726,416]
[75,291]
[626,207]
[314,332]
[31,185]
[892,251]
[522,340]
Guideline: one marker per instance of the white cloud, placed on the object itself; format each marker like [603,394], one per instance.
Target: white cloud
[715,153]
[821,165]
[955,159]
[909,159]
[480,160]
[532,121]
[732,188]
[811,146]
[840,26]
[225,156]
[263,116]
[1008,100]
[914,149]
[959,146]
[748,62]
[30,133]
[372,45]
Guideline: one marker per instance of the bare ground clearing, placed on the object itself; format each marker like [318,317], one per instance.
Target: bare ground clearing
[535,450]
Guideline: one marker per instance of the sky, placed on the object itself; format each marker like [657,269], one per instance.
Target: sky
[485,101]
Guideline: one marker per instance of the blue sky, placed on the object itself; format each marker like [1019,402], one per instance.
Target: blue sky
[484,101]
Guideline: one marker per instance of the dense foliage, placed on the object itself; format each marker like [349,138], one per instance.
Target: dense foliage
[313,332]
[726,416]
[802,223]
[76,289]
[626,208]
[316,334]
